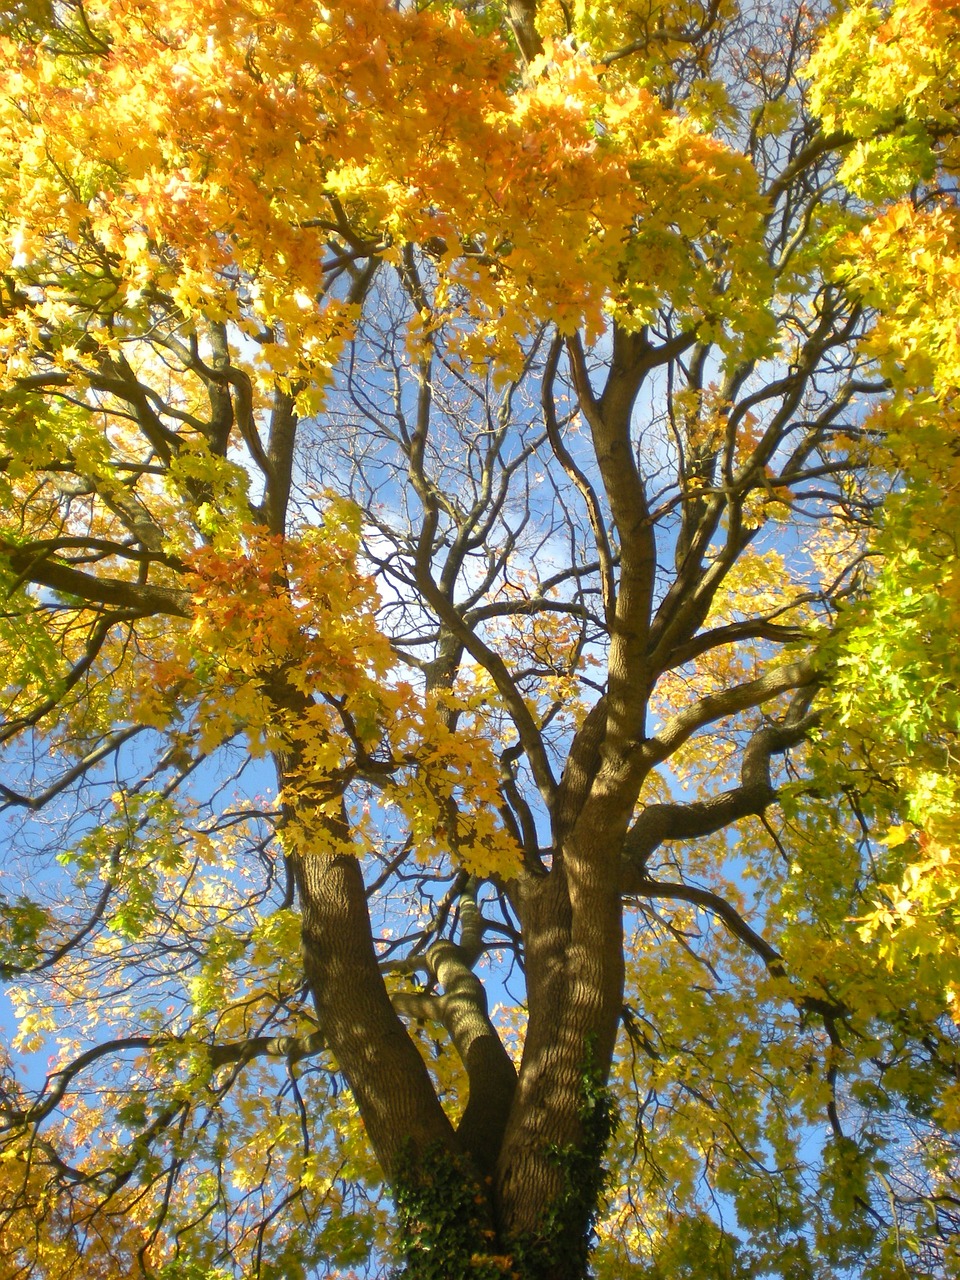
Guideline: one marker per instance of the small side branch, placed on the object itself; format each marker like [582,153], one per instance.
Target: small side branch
[230,1053]
[645,887]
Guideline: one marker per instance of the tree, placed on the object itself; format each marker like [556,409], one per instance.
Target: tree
[479,553]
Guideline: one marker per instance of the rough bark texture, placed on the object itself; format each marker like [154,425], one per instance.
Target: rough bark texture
[369,1042]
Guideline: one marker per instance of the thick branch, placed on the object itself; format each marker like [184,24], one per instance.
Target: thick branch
[371,1046]
[283,434]
[492,1077]
[717,706]
[143,599]
[610,419]
[461,1006]
[805,159]
[522,16]
[736,632]
[583,485]
[698,818]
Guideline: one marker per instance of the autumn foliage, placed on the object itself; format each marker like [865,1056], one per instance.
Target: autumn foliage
[479,524]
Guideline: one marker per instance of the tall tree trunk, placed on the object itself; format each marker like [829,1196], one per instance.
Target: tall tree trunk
[550,1168]
[392,1087]
[370,1044]
[471,1197]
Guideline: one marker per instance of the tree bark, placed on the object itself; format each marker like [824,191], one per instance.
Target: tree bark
[370,1044]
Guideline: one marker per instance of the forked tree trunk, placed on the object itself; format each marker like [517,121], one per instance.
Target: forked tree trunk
[514,1191]
[457,1221]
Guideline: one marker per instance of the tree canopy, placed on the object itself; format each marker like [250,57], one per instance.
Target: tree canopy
[479,518]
